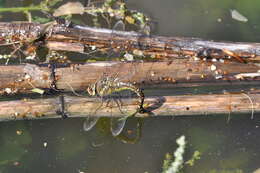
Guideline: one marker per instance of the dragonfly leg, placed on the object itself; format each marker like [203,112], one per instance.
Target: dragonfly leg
[119,105]
[141,105]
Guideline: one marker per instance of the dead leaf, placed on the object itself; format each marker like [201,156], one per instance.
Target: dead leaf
[238,16]
[69,8]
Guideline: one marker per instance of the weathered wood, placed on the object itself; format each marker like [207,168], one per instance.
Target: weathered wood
[155,46]
[157,106]
[84,39]
[23,78]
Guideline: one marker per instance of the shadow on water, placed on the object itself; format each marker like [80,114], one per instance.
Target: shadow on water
[233,146]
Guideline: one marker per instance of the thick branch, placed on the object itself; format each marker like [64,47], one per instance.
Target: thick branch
[83,39]
[156,106]
[23,78]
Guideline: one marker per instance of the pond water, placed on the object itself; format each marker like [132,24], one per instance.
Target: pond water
[227,143]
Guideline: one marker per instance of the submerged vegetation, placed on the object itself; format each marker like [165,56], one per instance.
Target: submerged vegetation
[175,163]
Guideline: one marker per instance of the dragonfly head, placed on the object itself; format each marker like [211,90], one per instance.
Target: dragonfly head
[92,90]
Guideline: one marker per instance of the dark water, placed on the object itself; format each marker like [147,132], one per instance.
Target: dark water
[226,146]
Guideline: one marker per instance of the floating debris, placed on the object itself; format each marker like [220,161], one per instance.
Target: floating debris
[30,57]
[27,77]
[16,163]
[238,16]
[38,90]
[93,47]
[138,52]
[247,75]
[129,57]
[196,58]
[218,77]
[214,60]
[221,60]
[19,132]
[213,67]
[8,90]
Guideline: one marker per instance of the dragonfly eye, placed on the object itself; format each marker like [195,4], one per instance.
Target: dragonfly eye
[91,90]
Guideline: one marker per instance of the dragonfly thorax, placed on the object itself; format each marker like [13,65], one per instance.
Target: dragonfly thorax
[108,86]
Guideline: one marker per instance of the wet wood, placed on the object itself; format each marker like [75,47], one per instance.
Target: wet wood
[156,106]
[154,46]
[178,72]
[23,78]
[85,39]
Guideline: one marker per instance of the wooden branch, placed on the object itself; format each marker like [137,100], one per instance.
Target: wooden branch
[154,46]
[157,106]
[84,39]
[23,78]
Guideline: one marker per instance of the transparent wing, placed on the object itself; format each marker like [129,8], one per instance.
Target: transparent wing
[119,25]
[145,29]
[122,101]
[127,102]
[89,123]
[117,125]
[92,118]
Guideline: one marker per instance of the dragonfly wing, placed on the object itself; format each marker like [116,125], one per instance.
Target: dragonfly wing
[89,123]
[119,26]
[117,125]
[92,119]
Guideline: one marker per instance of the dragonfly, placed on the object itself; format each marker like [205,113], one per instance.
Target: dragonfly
[110,92]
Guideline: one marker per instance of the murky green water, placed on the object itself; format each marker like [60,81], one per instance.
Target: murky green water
[226,147]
